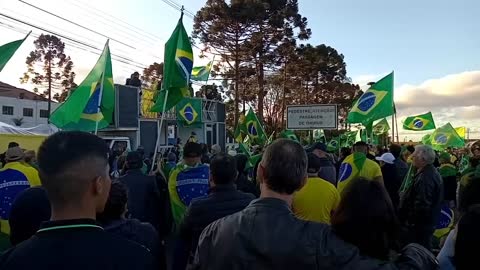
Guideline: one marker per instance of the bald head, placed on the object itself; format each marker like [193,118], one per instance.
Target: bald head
[284,166]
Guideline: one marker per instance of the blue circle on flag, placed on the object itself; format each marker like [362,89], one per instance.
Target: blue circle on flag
[445,218]
[186,65]
[418,123]
[252,129]
[345,171]
[188,113]
[12,182]
[367,101]
[441,138]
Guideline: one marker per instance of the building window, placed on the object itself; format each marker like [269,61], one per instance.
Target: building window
[7,110]
[43,113]
[28,112]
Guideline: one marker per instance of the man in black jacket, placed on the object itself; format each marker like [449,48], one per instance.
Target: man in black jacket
[143,193]
[420,205]
[266,235]
[74,172]
[224,199]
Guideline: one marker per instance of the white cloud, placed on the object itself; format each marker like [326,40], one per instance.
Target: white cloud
[453,98]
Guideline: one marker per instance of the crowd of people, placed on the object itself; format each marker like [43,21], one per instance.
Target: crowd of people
[79,205]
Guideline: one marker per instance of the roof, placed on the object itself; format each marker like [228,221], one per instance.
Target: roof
[7,90]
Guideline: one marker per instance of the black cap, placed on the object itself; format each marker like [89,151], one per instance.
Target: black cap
[192,150]
[314,163]
[318,145]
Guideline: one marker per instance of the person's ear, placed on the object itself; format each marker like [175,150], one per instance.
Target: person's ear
[260,173]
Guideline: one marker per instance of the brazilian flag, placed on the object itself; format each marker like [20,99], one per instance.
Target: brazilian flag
[8,50]
[376,103]
[350,169]
[333,145]
[288,134]
[91,105]
[254,128]
[419,122]
[189,111]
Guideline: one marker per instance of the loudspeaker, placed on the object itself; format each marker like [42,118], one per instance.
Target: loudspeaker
[126,106]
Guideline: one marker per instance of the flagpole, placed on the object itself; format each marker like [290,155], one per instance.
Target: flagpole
[160,124]
[100,94]
[393,123]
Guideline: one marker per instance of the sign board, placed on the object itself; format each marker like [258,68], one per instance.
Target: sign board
[317,116]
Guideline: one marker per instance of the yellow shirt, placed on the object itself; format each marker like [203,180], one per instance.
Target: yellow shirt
[316,200]
[355,166]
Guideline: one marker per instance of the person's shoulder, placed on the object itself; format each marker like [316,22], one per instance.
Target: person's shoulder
[119,245]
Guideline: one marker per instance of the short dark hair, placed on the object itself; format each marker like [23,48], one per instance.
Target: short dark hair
[468,237]
[346,151]
[285,166]
[314,163]
[192,150]
[241,160]
[115,206]
[67,161]
[469,194]
[410,148]
[223,168]
[13,144]
[366,218]
[395,149]
[134,160]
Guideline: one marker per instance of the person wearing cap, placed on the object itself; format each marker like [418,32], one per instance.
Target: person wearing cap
[2,156]
[318,198]
[358,165]
[448,172]
[327,170]
[187,181]
[143,193]
[15,176]
[390,179]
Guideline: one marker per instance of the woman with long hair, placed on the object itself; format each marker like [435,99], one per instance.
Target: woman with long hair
[366,218]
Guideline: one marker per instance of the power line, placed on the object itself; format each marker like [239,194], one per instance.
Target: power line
[130,26]
[73,44]
[63,36]
[74,23]
[179,8]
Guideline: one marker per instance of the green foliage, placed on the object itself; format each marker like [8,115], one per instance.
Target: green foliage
[48,64]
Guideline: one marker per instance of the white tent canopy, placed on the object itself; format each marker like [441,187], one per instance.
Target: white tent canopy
[43,129]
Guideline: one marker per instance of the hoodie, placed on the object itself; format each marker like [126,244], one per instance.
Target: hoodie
[136,231]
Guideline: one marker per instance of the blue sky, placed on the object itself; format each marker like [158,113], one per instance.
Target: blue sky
[433,46]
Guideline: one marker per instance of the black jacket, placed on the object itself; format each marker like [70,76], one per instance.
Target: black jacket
[247,186]
[420,205]
[135,231]
[76,245]
[392,183]
[266,235]
[327,172]
[144,200]
[222,201]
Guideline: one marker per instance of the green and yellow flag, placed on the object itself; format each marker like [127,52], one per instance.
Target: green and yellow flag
[350,169]
[419,122]
[201,73]
[461,131]
[8,50]
[254,128]
[333,144]
[426,139]
[381,127]
[375,103]
[189,111]
[92,102]
[446,136]
[318,134]
[240,130]
[288,134]
[177,69]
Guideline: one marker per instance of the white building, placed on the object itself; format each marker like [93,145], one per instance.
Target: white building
[20,107]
